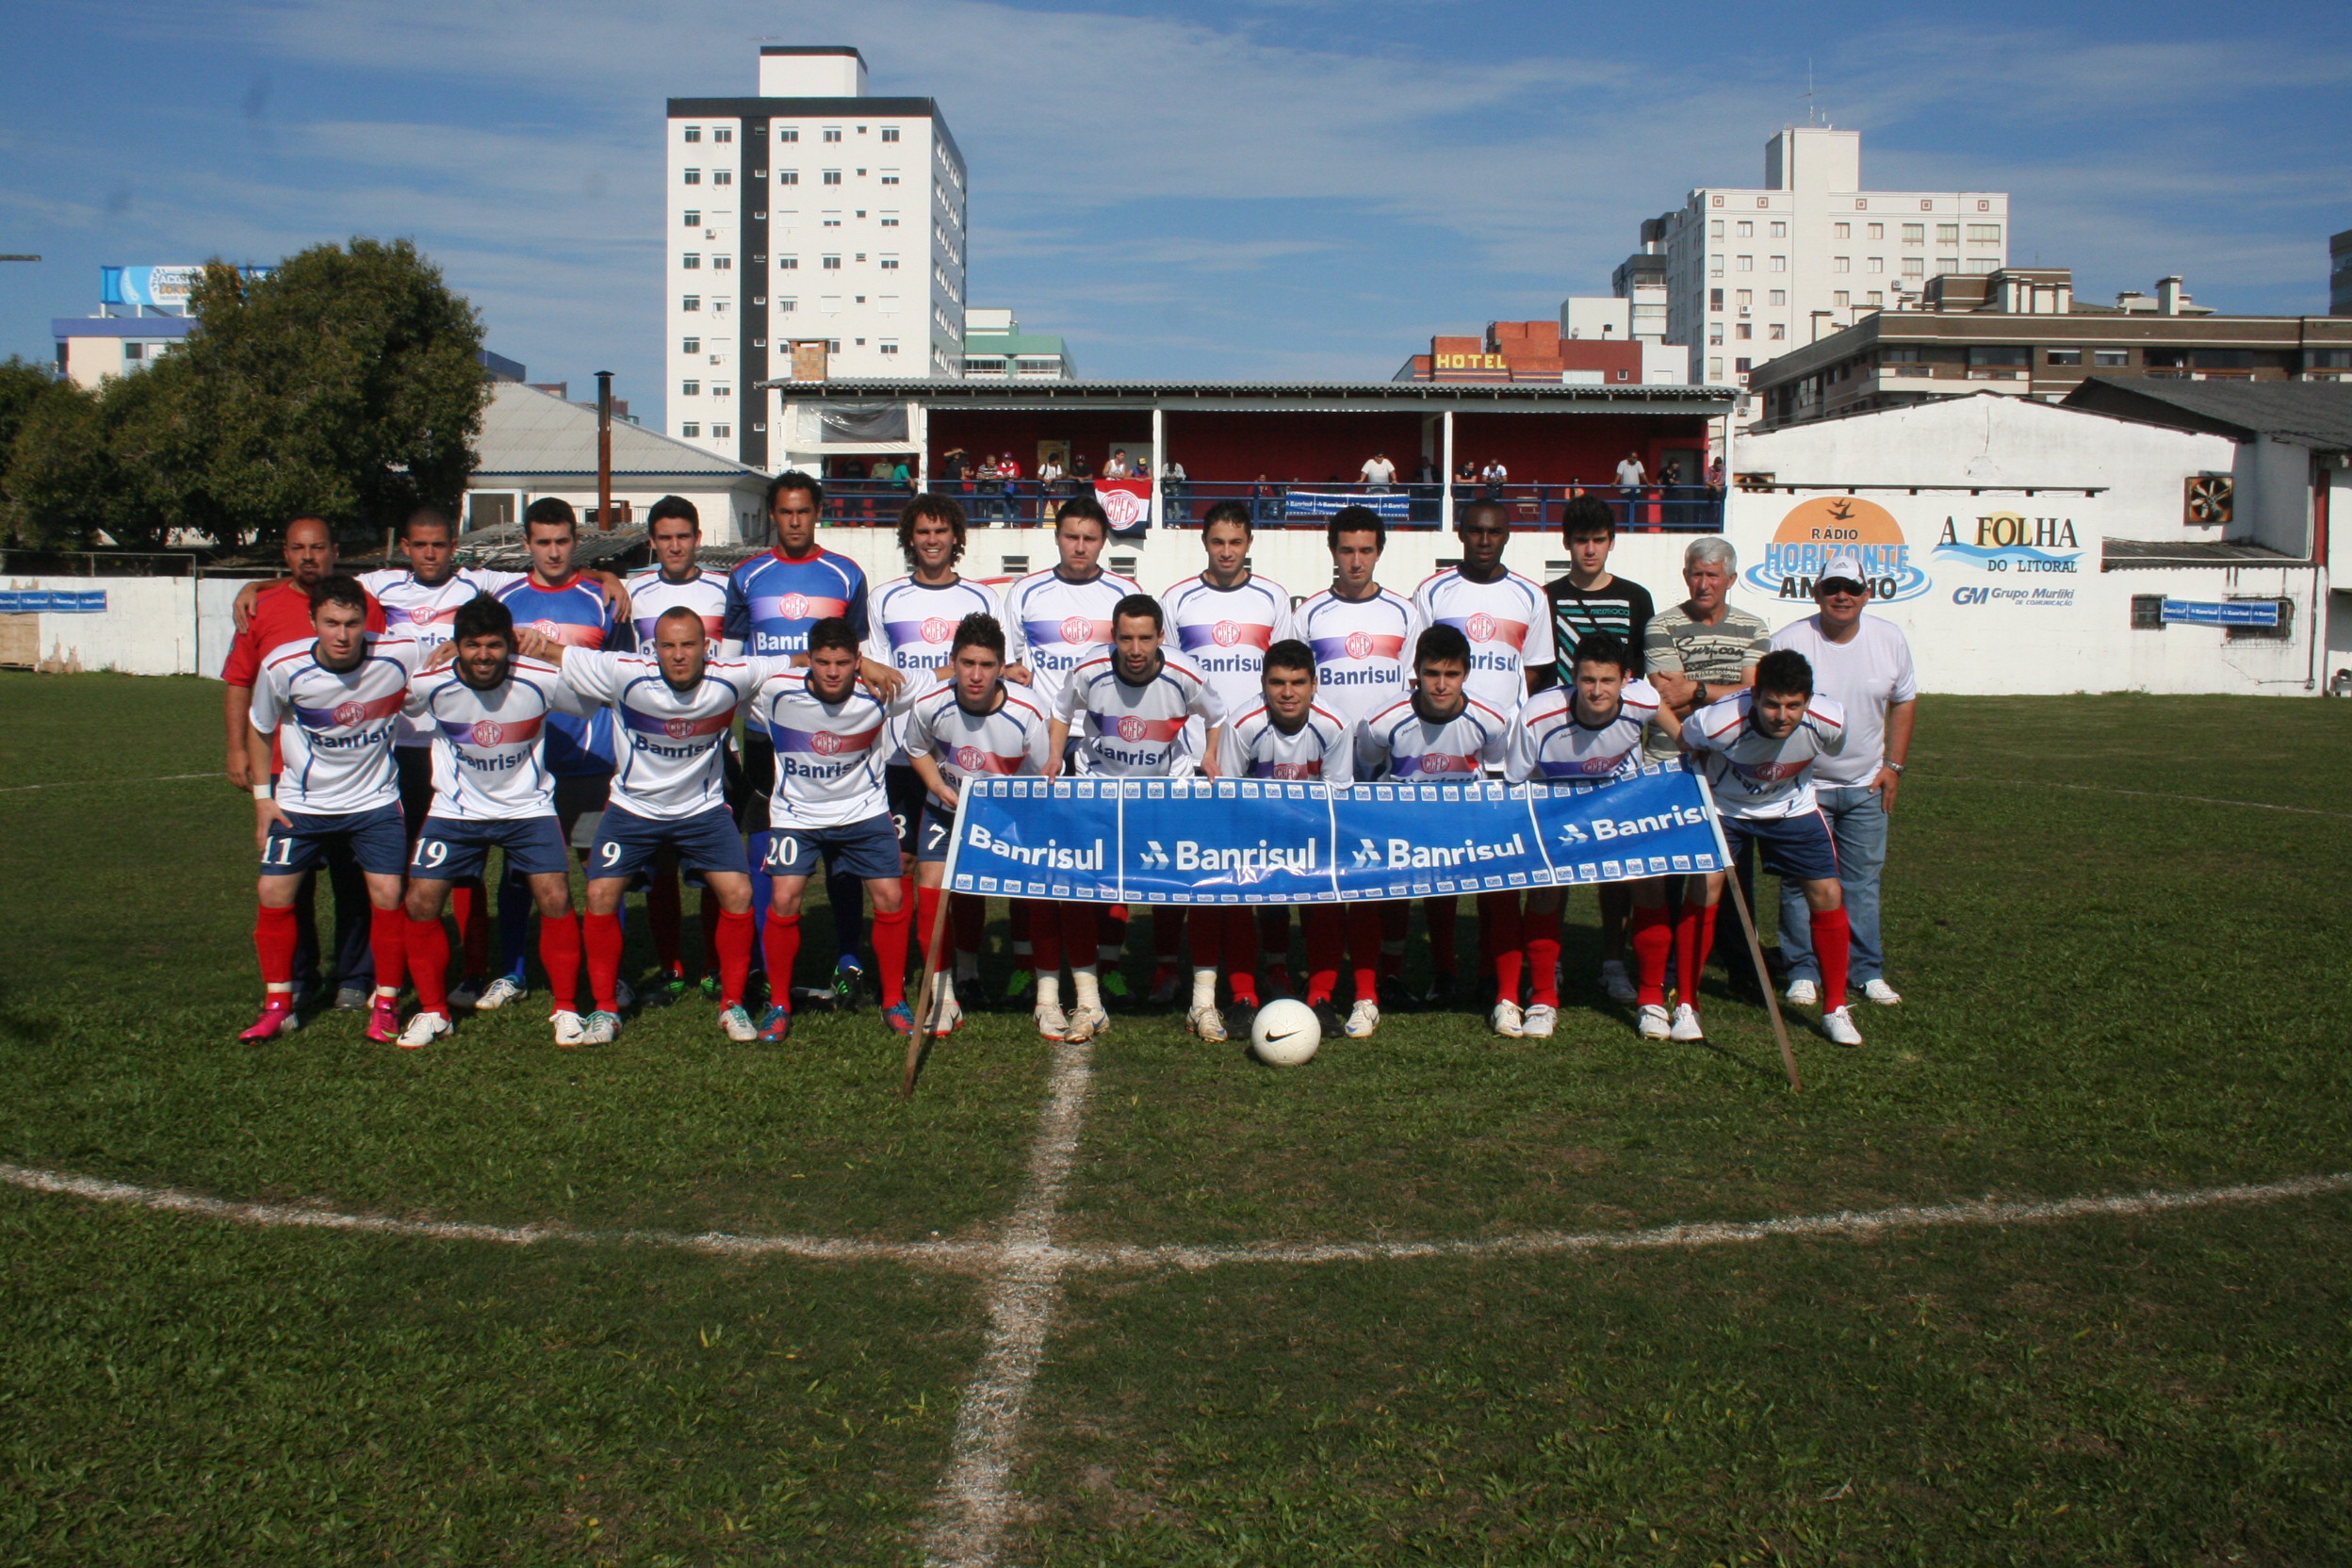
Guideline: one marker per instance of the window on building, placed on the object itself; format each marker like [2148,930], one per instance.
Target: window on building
[890,133]
[722,176]
[1877,231]
[1780,230]
[1743,332]
[1947,264]
[691,430]
[832,133]
[1842,231]
[2064,357]
[721,263]
[2001,355]
[2147,612]
[1747,264]
[831,264]
[1983,263]
[1914,266]
[693,220]
[1779,333]
[1715,227]
[692,301]
[693,176]
[1983,234]
[1842,264]
[1842,298]
[690,346]
[718,304]
[720,390]
[1875,297]
[788,264]
[2111,358]
[1875,264]
[788,133]
[887,345]
[694,133]
[1740,367]
[1714,298]
[691,260]
[1777,297]
[1746,228]
[787,221]
[2223,359]
[1746,298]
[890,176]
[721,133]
[689,389]
[832,176]
[1915,234]
[1715,368]
[2328,359]
[889,219]
[1947,234]
[1900,353]
[788,305]
[889,264]
[788,176]
[720,432]
[1780,264]
[832,218]
[1715,335]
[1714,267]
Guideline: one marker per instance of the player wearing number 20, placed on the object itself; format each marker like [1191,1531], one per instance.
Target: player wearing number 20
[487,713]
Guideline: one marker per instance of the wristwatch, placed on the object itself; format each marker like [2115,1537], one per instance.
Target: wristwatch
[1897,767]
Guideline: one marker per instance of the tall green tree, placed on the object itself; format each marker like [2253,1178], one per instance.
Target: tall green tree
[123,461]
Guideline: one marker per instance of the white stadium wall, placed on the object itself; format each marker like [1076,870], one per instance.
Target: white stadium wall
[150,625]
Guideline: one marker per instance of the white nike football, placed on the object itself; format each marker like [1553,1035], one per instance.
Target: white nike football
[1286,1033]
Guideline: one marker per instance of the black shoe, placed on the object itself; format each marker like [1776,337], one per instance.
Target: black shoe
[1327,1018]
[1441,991]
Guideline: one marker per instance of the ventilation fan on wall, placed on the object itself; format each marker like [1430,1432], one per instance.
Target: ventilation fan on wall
[2207,500]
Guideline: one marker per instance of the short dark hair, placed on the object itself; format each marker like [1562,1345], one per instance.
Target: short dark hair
[481,617]
[1442,645]
[1228,512]
[431,517]
[1082,506]
[551,511]
[791,478]
[978,629]
[673,506]
[941,509]
[1461,512]
[337,588]
[1356,519]
[834,632]
[1290,654]
[1138,604]
[1588,514]
[1783,673]
[1603,647]
[678,612]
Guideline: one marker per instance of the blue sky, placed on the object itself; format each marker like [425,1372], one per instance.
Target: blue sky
[1211,190]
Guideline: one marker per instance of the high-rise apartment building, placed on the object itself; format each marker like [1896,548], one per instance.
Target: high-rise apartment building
[1752,273]
[809,212]
[2340,273]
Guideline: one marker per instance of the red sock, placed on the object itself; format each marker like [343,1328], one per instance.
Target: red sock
[1082,935]
[927,921]
[783,945]
[709,932]
[1695,934]
[466,906]
[602,935]
[889,952]
[1540,929]
[666,915]
[734,937]
[274,938]
[1439,913]
[970,916]
[559,955]
[429,964]
[1325,947]
[1833,944]
[1653,942]
[387,943]
[1045,935]
[1498,939]
[1240,933]
[1367,946]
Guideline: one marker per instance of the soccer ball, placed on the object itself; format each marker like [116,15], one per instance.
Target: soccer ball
[1285,1034]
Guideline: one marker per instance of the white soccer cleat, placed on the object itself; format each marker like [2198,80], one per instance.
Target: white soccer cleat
[602,1028]
[1882,993]
[1686,1027]
[1838,1026]
[947,1016]
[570,1028]
[1052,1024]
[736,1020]
[1802,993]
[1362,1020]
[505,989]
[1653,1024]
[1507,1020]
[423,1030]
[1086,1024]
[1207,1023]
[1541,1020]
[1616,984]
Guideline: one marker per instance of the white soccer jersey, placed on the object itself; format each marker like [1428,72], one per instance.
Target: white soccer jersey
[828,755]
[426,614]
[651,596]
[1398,743]
[1054,625]
[489,748]
[1548,742]
[1132,731]
[913,632]
[1254,746]
[335,756]
[671,743]
[1014,739]
[1753,775]
[1508,623]
[1226,632]
[1363,649]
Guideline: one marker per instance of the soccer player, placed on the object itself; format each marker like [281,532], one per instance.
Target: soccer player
[1363,635]
[1056,620]
[916,619]
[675,581]
[1224,620]
[676,705]
[830,730]
[1440,732]
[1587,730]
[1286,734]
[488,712]
[1130,712]
[975,726]
[1590,598]
[1507,624]
[1757,748]
[343,690]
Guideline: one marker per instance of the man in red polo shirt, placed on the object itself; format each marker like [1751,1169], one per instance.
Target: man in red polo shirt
[280,614]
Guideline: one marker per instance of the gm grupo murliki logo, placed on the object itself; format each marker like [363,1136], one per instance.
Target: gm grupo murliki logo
[1815,529]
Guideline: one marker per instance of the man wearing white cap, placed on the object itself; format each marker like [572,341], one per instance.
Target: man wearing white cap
[1864,664]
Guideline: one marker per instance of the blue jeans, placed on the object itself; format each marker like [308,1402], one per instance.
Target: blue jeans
[1858,824]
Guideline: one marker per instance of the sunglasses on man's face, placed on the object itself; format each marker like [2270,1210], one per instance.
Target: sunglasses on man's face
[1841,585]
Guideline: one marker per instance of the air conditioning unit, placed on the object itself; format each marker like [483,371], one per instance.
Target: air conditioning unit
[2207,500]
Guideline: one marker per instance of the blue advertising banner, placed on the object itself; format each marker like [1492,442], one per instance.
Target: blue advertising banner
[1392,505]
[2229,613]
[1247,841]
[53,601]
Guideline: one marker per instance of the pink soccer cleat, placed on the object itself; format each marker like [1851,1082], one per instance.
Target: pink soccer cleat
[278,1016]
[384,1021]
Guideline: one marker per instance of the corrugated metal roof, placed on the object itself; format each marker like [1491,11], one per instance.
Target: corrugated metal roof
[529,431]
[1383,391]
[2121,555]
[2306,413]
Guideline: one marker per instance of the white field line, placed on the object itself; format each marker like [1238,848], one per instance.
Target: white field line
[2146,795]
[82,783]
[975,1497]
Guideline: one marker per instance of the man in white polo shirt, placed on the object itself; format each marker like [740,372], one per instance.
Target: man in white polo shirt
[1864,664]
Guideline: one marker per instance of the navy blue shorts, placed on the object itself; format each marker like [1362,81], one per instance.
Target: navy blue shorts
[1798,847]
[938,832]
[376,839]
[868,849]
[628,843]
[449,848]
[903,786]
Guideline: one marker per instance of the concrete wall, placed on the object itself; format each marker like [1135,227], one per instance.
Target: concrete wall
[150,626]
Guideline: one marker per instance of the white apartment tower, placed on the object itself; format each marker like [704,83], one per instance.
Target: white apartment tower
[1751,275]
[811,212]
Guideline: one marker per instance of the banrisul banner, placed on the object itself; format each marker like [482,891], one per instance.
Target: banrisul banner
[1246,841]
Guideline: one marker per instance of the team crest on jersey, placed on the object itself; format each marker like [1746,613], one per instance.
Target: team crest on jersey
[794,606]
[544,628]
[1436,761]
[1480,627]
[352,715]
[972,760]
[678,730]
[1227,633]
[1359,645]
[1133,728]
[1767,772]
[1598,764]
[826,743]
[1296,770]
[938,629]
[488,732]
[1077,629]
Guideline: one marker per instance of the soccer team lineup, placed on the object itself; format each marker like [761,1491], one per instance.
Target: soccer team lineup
[397,726]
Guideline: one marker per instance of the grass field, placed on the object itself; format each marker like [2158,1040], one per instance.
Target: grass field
[2124,973]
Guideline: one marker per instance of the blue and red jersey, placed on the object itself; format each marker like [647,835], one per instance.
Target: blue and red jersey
[578,616]
[772,600]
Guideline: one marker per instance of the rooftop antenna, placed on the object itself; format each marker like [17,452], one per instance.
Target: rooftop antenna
[1812,114]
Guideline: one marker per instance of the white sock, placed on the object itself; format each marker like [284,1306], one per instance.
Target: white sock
[1204,988]
[1049,990]
[945,989]
[1089,990]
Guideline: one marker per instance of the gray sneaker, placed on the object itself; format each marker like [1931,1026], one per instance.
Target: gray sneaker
[354,999]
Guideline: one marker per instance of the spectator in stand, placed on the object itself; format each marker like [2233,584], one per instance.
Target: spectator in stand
[1008,470]
[1118,467]
[1630,474]
[1265,500]
[1379,473]
[1715,472]
[1494,476]
[1081,475]
[1864,665]
[991,476]
[1425,472]
[1172,482]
